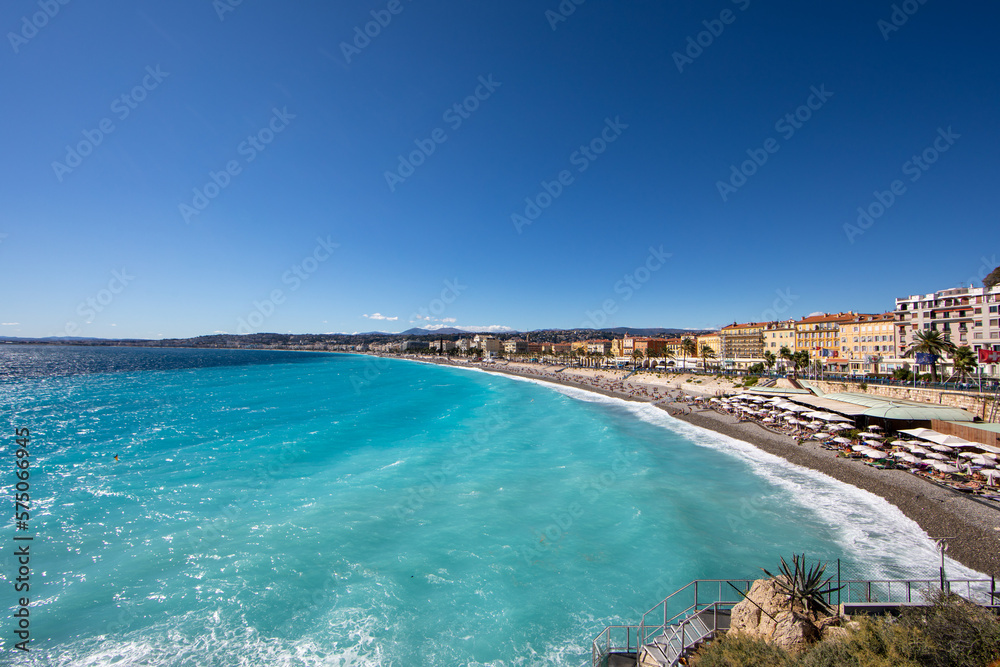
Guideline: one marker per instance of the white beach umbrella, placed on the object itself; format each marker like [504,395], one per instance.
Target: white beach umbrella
[842,441]
[860,448]
[914,449]
[838,427]
[875,454]
[991,476]
[871,436]
[943,439]
[874,427]
[821,436]
[768,420]
[981,461]
[937,457]
[942,448]
[944,467]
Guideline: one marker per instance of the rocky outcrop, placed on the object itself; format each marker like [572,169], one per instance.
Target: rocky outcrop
[765,614]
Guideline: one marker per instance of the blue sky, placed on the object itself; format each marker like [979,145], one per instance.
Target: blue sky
[178,169]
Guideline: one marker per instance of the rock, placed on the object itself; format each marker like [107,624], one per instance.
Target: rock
[765,614]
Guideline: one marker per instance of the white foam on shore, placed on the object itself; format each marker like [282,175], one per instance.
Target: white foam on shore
[864,524]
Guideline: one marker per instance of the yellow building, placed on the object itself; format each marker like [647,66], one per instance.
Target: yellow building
[778,335]
[713,341]
[743,341]
[867,343]
[819,335]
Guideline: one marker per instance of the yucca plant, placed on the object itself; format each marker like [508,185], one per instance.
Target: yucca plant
[803,585]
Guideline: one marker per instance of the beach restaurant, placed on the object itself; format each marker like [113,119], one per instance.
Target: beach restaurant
[866,410]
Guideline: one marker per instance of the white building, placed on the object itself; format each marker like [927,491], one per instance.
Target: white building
[965,315]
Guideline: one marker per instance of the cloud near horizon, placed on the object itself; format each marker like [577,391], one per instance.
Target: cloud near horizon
[380,316]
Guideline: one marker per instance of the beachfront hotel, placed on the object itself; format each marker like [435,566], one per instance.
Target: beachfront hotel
[965,315]
[868,345]
[742,343]
[819,335]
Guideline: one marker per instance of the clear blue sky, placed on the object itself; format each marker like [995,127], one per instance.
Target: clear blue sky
[328,121]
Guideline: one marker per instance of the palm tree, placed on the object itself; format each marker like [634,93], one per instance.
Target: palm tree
[636,357]
[665,354]
[706,354]
[930,341]
[964,361]
[786,354]
[769,360]
[800,359]
[689,347]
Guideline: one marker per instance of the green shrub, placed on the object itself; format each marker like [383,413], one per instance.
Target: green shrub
[742,651]
[961,634]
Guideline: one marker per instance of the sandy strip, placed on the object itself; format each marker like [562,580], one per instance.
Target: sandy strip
[974,526]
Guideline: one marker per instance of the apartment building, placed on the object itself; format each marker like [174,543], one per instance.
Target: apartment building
[819,335]
[964,315]
[777,335]
[868,345]
[742,344]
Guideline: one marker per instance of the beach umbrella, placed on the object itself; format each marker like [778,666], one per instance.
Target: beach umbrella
[838,427]
[859,448]
[873,436]
[920,432]
[875,454]
[874,427]
[821,436]
[842,441]
[944,467]
[943,439]
[981,461]
[799,408]
[768,420]
[936,456]
[942,448]
[991,476]
[914,449]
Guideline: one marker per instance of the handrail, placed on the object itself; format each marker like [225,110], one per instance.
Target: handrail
[854,591]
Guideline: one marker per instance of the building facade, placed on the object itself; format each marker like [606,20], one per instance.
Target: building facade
[964,315]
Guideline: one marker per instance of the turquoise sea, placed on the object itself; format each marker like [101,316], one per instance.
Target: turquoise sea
[281,508]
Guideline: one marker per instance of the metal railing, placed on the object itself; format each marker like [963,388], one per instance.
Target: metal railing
[702,594]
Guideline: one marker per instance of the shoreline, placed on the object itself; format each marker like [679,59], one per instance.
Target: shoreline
[940,512]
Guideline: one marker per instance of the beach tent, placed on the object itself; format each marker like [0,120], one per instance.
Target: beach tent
[991,476]
[942,439]
[918,432]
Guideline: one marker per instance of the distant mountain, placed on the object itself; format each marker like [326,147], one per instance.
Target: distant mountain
[444,331]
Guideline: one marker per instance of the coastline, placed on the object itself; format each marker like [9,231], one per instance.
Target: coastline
[974,527]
